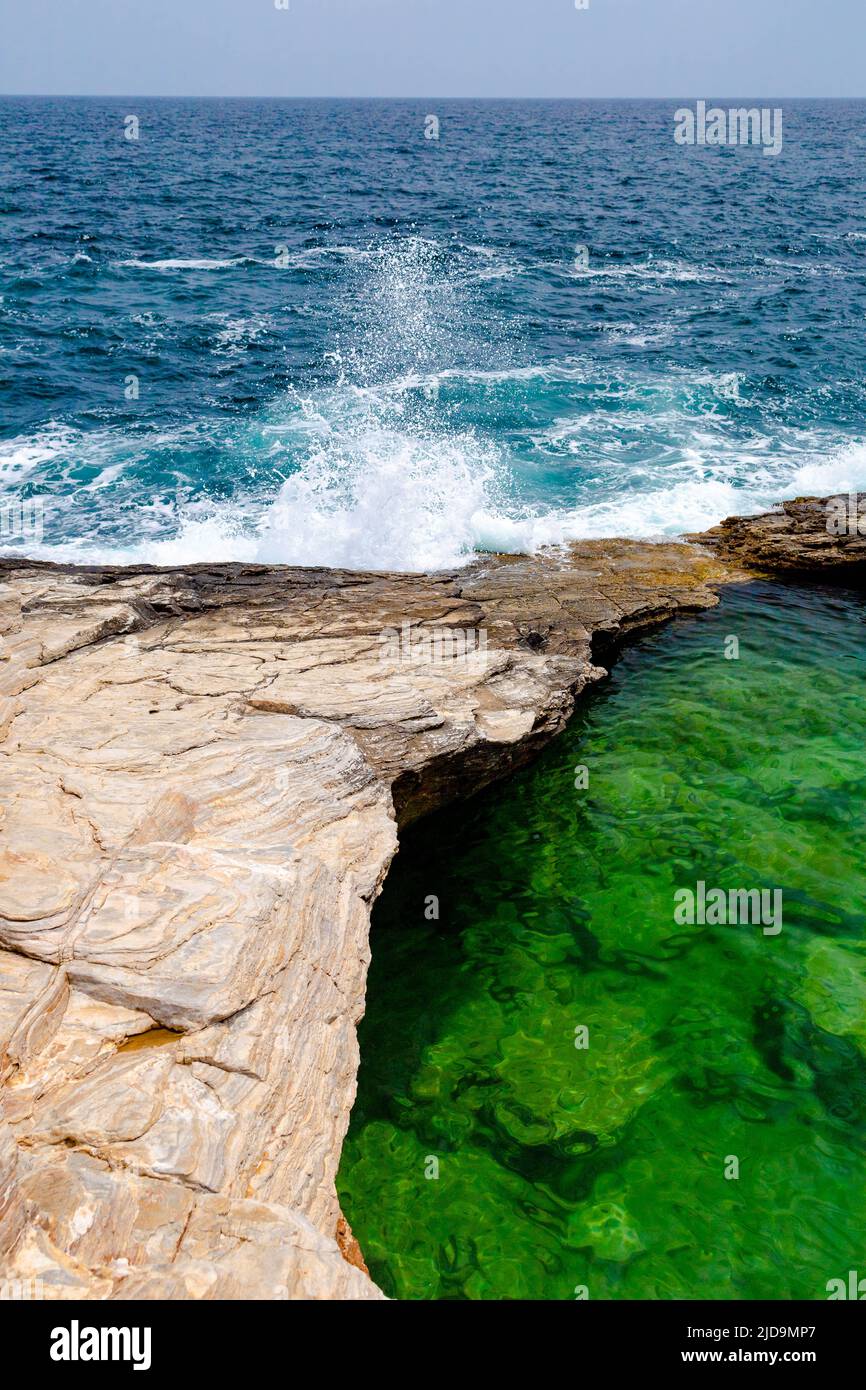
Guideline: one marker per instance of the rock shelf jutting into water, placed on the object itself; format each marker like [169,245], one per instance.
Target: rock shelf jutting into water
[204,774]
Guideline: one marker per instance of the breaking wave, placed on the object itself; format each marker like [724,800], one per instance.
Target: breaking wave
[429,438]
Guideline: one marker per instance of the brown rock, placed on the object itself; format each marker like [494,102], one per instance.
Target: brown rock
[818,536]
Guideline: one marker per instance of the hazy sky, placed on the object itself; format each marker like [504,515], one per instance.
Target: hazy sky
[443,48]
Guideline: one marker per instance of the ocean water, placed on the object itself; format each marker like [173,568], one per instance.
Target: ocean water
[303,332]
[608,1167]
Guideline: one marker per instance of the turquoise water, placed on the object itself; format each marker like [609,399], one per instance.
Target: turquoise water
[603,1168]
[299,331]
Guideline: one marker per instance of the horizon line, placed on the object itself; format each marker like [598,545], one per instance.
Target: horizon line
[217,96]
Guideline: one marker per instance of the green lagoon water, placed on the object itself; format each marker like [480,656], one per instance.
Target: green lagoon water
[561,1167]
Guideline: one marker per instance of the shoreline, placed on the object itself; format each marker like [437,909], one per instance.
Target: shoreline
[211,765]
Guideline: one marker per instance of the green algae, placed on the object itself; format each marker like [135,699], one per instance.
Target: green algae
[602,1168]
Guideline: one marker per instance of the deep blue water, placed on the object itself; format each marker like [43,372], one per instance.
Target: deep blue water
[422,369]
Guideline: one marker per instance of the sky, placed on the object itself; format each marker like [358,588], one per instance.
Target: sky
[434,48]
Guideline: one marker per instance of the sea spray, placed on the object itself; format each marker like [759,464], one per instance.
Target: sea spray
[422,313]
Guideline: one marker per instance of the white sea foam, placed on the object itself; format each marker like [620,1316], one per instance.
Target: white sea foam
[233,335]
[366,496]
[409,504]
[681,272]
[178,264]
[629,335]
[377,471]
[370,489]
[845,471]
[389,501]
[26,453]
[694,503]
[313,257]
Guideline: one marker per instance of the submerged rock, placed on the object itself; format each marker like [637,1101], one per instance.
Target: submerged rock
[204,774]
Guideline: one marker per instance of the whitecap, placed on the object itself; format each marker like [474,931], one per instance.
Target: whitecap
[25,453]
[192,264]
[661,270]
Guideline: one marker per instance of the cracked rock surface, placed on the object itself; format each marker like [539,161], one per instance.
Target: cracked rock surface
[202,776]
[820,536]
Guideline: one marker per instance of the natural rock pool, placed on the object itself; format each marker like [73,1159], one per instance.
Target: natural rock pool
[586,1075]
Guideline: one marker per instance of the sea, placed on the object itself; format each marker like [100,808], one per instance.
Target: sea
[390,335]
